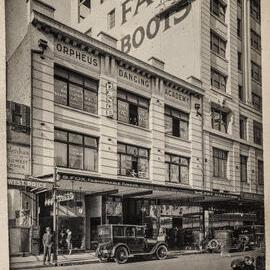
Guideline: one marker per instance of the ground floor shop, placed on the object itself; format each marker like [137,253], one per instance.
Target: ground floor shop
[182,217]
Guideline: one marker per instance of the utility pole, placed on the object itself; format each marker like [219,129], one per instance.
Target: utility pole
[55,217]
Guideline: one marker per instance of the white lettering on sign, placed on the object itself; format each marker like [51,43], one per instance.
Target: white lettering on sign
[60,198]
[26,183]
[78,55]
[178,95]
[134,78]
[18,159]
[110,94]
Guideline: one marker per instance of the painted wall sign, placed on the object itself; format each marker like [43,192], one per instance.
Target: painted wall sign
[134,78]
[76,54]
[110,94]
[177,96]
[18,159]
[26,183]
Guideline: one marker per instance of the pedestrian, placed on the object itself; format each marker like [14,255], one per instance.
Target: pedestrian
[69,241]
[47,241]
[62,240]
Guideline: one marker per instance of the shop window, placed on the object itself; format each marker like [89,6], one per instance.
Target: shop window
[18,116]
[218,8]
[243,127]
[260,172]
[176,122]
[255,40]
[257,132]
[219,120]
[257,102]
[239,27]
[243,168]
[256,72]
[132,109]
[76,91]
[255,9]
[219,163]
[218,80]
[177,169]
[76,151]
[133,161]
[111,19]
[218,45]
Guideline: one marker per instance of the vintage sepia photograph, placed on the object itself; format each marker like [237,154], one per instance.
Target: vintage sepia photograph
[133,134]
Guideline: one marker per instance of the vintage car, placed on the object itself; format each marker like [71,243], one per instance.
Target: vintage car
[121,242]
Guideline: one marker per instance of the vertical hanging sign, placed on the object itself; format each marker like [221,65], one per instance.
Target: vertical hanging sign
[109,99]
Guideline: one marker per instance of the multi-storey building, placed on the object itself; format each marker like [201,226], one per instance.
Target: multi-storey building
[154,135]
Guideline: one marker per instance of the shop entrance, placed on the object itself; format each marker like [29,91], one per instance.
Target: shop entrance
[94,222]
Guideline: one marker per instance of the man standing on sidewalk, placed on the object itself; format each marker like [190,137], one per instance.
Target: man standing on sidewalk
[47,245]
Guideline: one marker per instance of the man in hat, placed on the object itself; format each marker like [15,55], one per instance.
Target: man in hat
[47,244]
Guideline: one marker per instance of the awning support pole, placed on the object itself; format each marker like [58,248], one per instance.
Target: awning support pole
[55,233]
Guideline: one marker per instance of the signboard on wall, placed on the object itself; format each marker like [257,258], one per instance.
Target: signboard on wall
[78,55]
[18,159]
[110,94]
[177,96]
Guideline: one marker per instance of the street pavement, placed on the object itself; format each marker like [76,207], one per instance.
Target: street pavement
[188,262]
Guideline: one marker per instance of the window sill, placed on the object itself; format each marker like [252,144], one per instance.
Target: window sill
[255,19]
[221,178]
[220,56]
[221,92]
[256,50]
[134,126]
[177,138]
[255,81]
[169,183]
[220,20]
[76,110]
[130,178]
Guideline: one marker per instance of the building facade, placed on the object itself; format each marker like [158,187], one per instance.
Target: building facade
[124,139]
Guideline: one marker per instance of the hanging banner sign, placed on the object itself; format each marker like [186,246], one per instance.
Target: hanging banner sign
[110,94]
[60,198]
[27,183]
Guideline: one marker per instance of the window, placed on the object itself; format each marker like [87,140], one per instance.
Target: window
[239,27]
[240,92]
[177,169]
[132,109]
[218,80]
[256,72]
[239,2]
[239,61]
[257,102]
[255,40]
[75,90]
[84,9]
[218,8]
[176,123]
[243,127]
[257,132]
[133,161]
[243,168]
[219,163]
[18,115]
[75,151]
[111,19]
[255,9]
[219,120]
[218,45]
[260,172]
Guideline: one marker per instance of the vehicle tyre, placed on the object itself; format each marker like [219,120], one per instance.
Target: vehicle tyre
[103,259]
[162,252]
[121,255]
[214,245]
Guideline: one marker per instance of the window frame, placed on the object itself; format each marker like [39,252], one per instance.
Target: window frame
[221,114]
[216,81]
[138,104]
[256,105]
[260,172]
[69,82]
[180,166]
[255,9]
[218,42]
[217,8]
[84,146]
[257,133]
[256,72]
[243,169]
[219,156]
[134,158]
[243,130]
[255,40]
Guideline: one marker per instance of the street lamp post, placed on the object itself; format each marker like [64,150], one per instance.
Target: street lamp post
[55,217]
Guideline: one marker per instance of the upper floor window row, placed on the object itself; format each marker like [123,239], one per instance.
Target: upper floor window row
[255,9]
[218,80]
[218,8]
[75,90]
[218,45]
[255,40]
[256,72]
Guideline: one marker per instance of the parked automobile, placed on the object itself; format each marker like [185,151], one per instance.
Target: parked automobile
[249,263]
[121,242]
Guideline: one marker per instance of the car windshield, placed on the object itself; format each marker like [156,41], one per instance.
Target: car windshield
[104,233]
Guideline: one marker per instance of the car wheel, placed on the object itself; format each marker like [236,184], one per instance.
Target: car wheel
[161,252]
[121,255]
[103,259]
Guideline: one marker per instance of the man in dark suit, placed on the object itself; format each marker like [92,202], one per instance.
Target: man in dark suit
[47,241]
